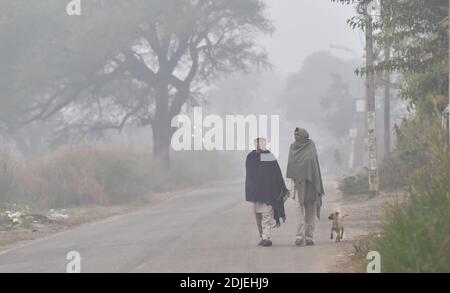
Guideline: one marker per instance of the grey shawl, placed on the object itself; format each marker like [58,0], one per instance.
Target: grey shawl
[303,165]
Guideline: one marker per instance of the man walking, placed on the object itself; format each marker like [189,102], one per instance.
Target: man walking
[304,171]
[265,188]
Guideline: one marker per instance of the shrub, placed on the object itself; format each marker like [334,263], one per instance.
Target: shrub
[66,179]
[355,185]
[416,233]
[105,175]
[126,175]
[11,178]
[412,152]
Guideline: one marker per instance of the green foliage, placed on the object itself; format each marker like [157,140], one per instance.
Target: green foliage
[27,224]
[416,233]
[412,152]
[397,171]
[394,174]
[422,89]
[416,31]
[355,185]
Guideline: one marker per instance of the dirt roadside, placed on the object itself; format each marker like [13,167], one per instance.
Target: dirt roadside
[364,222]
[16,236]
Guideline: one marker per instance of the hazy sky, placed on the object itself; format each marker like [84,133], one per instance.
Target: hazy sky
[306,26]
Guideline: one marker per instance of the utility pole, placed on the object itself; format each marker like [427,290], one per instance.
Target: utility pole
[371,110]
[448,107]
[387,105]
[387,96]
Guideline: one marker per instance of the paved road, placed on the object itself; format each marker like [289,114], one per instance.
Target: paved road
[208,230]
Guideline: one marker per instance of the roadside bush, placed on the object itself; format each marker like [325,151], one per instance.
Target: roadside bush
[126,175]
[393,173]
[11,178]
[412,152]
[66,179]
[396,172]
[85,176]
[416,233]
[355,185]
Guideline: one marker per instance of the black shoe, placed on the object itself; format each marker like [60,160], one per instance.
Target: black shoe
[261,242]
[299,242]
[267,243]
[309,242]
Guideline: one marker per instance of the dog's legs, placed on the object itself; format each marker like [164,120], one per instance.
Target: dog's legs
[342,233]
[331,235]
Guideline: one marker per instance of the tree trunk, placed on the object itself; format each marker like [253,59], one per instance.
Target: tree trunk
[161,141]
[162,130]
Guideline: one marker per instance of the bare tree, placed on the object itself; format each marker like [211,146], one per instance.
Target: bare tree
[177,48]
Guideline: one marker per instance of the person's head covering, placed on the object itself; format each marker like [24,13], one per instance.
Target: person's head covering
[301,134]
[260,144]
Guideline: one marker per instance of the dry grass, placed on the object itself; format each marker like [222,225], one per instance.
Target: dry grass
[87,176]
